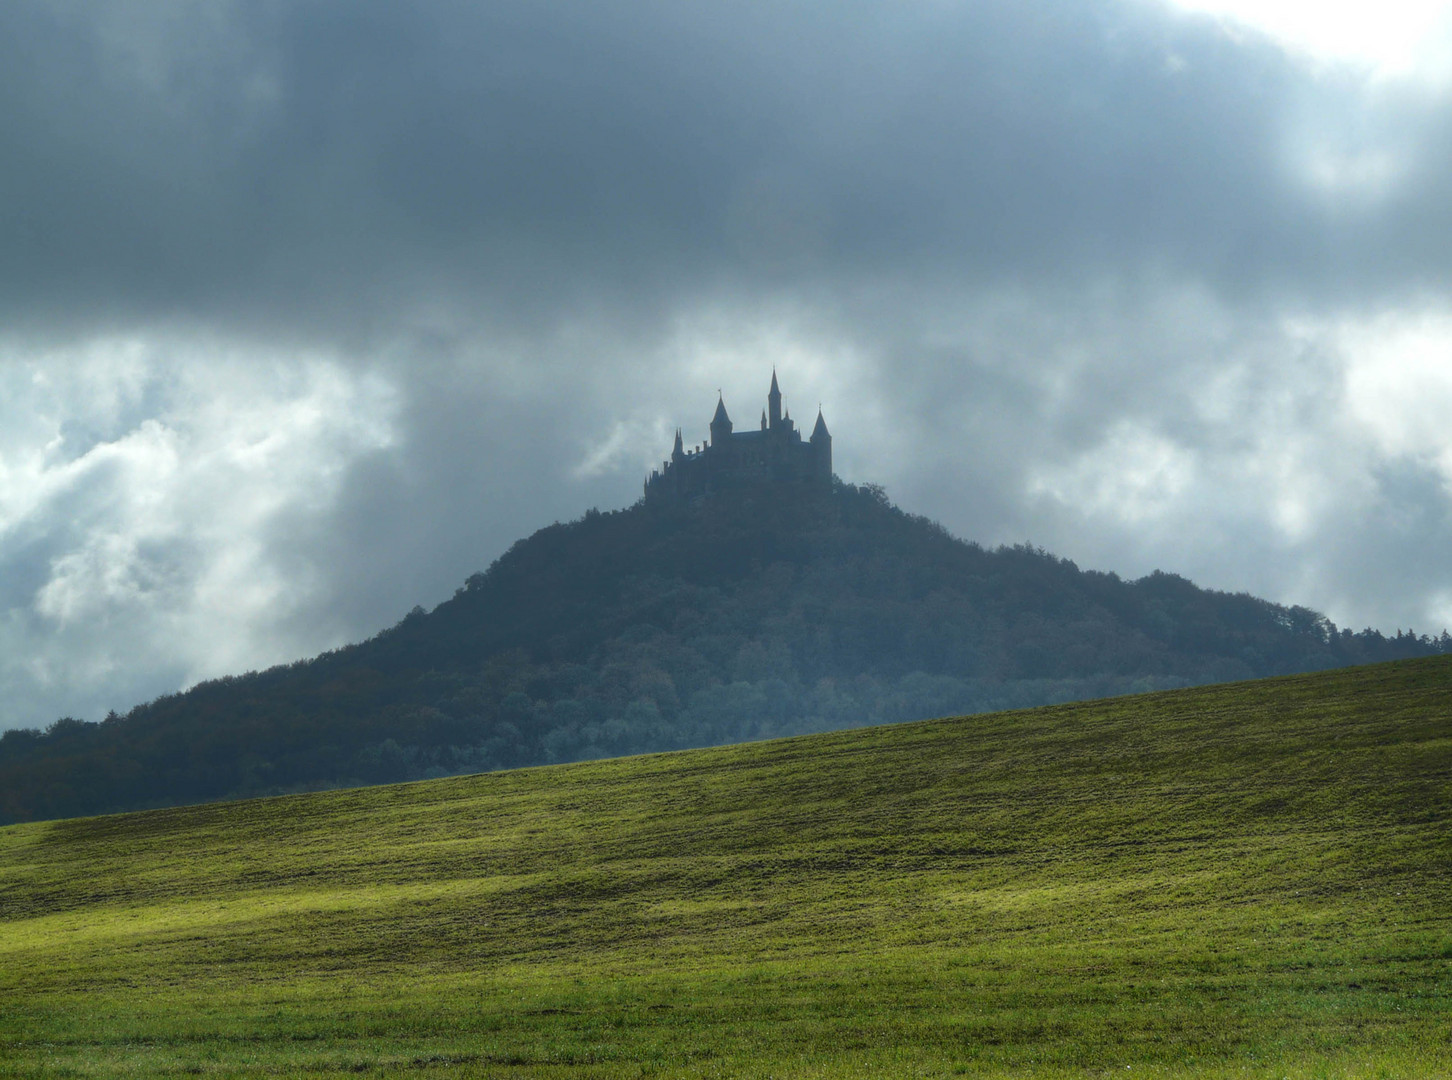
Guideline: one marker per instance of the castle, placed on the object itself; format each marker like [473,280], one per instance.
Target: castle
[774,454]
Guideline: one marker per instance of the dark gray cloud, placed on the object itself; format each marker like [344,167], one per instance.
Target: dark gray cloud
[310,309]
[331,167]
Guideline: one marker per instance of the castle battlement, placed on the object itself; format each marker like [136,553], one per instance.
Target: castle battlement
[776,453]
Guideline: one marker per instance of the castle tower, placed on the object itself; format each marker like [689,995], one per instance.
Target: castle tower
[773,403]
[720,424]
[679,451]
[821,441]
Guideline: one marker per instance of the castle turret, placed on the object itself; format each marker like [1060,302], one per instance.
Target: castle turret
[720,424]
[821,441]
[773,403]
[819,430]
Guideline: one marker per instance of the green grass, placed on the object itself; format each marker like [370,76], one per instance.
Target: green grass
[1239,881]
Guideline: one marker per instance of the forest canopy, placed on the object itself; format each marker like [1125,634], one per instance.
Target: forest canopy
[747,615]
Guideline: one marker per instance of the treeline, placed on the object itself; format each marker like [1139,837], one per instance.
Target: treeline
[752,615]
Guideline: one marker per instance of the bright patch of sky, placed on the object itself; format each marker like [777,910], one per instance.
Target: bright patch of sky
[137,505]
[1399,384]
[1393,38]
[1135,474]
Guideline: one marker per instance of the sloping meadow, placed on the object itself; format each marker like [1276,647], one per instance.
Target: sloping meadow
[1244,880]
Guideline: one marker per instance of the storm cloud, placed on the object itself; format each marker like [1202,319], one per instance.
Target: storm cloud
[308,310]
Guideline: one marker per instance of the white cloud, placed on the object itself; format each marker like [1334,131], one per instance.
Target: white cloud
[1310,463]
[1392,38]
[1399,383]
[136,511]
[1134,476]
[628,443]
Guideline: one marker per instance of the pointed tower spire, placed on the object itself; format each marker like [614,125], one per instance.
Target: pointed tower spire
[679,450]
[821,443]
[819,430]
[720,423]
[763,419]
[773,402]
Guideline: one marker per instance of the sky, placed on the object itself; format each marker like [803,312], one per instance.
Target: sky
[309,309]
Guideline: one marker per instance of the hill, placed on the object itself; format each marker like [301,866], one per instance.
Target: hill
[754,614]
[1241,880]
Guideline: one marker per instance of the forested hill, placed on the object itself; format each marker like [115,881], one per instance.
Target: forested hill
[658,627]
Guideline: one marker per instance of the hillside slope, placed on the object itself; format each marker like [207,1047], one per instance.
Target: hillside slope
[662,627]
[1243,880]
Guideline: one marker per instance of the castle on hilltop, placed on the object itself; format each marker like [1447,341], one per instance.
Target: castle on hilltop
[774,454]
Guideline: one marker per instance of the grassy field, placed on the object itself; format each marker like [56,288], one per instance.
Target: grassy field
[1241,881]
